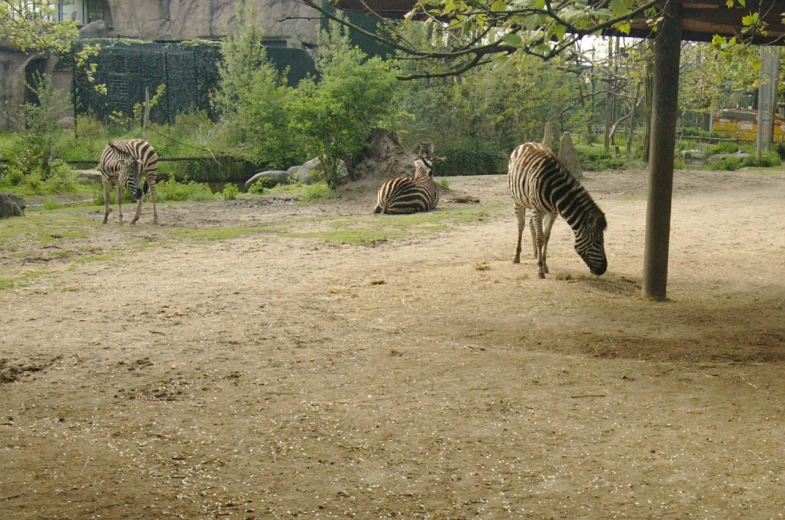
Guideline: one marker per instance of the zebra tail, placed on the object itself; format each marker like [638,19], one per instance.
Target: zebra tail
[146,187]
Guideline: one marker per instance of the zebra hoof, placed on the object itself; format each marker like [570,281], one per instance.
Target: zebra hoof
[541,275]
[515,260]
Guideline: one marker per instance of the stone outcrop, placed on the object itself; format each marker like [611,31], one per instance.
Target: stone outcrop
[547,138]
[190,19]
[277,176]
[11,205]
[569,156]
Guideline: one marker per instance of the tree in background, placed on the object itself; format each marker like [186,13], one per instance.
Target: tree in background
[251,99]
[336,115]
[33,27]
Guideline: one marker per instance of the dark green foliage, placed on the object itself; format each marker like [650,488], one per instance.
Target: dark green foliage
[724,147]
[470,160]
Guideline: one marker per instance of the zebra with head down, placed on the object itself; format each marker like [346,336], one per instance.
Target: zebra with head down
[132,163]
[540,182]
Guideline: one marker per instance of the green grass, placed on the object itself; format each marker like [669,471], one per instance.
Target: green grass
[10,282]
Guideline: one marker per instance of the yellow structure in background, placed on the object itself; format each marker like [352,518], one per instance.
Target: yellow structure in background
[742,124]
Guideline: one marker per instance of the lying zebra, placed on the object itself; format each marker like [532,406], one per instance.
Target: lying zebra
[409,195]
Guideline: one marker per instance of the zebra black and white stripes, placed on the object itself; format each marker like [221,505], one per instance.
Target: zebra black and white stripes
[540,182]
[409,195]
[129,163]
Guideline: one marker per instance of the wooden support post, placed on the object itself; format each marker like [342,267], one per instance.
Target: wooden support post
[667,52]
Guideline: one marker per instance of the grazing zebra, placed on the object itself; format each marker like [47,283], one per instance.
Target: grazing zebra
[129,163]
[410,195]
[540,182]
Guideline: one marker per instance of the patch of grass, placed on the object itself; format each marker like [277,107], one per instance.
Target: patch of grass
[52,204]
[10,282]
[42,229]
[94,258]
[372,229]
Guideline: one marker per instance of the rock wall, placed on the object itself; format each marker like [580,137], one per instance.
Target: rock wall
[189,19]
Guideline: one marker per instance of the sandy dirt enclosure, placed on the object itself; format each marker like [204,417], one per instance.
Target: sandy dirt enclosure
[173,374]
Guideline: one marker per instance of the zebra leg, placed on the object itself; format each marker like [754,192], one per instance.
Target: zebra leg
[520,212]
[138,211]
[107,195]
[549,219]
[151,183]
[537,219]
[120,201]
[534,237]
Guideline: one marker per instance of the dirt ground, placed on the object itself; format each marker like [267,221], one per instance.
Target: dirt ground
[275,376]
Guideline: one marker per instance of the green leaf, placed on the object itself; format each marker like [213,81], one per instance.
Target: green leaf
[559,31]
[743,3]
[513,39]
[499,5]
[623,27]
[729,4]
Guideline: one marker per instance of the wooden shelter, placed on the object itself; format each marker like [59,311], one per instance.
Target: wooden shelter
[693,20]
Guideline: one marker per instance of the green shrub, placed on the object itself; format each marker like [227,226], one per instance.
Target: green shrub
[470,159]
[261,185]
[171,190]
[230,191]
[52,204]
[727,164]
[318,191]
[724,147]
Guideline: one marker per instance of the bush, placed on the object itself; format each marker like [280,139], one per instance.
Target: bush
[230,192]
[470,159]
[727,164]
[261,185]
[724,147]
[171,190]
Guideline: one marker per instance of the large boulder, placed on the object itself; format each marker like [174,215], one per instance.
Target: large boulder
[312,172]
[569,156]
[11,205]
[66,123]
[96,29]
[277,176]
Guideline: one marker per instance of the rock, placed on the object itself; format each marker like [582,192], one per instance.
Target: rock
[692,155]
[96,29]
[11,205]
[569,156]
[547,139]
[277,176]
[293,171]
[66,123]
[311,172]
[738,155]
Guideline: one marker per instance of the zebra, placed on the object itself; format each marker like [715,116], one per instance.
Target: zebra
[540,182]
[128,163]
[410,194]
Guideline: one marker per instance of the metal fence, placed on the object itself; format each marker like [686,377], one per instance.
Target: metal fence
[189,70]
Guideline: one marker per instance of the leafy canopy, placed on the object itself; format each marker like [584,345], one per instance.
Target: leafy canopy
[336,115]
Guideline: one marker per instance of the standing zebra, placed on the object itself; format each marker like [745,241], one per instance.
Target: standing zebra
[540,182]
[407,194]
[129,163]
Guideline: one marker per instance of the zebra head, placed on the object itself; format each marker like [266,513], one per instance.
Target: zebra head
[589,242]
[130,167]
[424,162]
